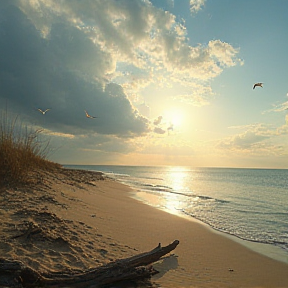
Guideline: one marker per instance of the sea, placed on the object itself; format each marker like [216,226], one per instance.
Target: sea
[249,206]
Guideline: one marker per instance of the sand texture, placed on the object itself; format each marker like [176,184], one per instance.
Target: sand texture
[81,219]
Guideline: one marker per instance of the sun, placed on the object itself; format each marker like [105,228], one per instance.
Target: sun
[174,117]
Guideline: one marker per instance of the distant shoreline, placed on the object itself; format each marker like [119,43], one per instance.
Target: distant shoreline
[205,167]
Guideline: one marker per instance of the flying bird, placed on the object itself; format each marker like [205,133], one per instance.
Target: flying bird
[258,84]
[89,116]
[43,112]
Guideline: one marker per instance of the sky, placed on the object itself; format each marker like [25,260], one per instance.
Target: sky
[169,82]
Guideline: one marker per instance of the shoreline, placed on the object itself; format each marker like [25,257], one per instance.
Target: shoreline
[252,265]
[87,220]
[266,249]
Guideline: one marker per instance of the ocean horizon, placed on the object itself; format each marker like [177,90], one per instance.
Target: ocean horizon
[249,205]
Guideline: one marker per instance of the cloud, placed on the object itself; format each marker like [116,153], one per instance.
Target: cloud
[278,107]
[172,149]
[137,33]
[257,139]
[57,134]
[64,72]
[224,53]
[196,5]
[283,130]
[108,144]
[158,120]
[144,109]
[159,130]
[253,135]
[247,139]
[282,107]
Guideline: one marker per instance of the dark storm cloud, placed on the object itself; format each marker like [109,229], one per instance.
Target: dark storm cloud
[65,72]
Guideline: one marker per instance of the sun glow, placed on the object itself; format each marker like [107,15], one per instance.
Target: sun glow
[174,117]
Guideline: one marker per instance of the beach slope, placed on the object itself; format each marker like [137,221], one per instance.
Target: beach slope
[87,220]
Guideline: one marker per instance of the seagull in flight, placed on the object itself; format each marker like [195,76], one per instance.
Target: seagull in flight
[89,116]
[258,84]
[43,112]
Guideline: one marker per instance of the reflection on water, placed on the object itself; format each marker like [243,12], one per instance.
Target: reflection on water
[170,202]
[177,176]
[177,181]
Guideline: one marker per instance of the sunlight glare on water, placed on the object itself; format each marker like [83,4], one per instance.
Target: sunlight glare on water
[177,176]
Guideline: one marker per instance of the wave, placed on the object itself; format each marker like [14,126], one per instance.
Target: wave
[150,188]
[117,174]
[128,175]
[169,190]
[150,178]
[261,212]
[282,244]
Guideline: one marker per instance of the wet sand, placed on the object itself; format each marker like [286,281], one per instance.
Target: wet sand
[84,220]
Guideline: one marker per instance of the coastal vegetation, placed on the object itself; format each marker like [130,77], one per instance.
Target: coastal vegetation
[22,151]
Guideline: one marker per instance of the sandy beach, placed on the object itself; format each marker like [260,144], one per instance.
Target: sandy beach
[87,220]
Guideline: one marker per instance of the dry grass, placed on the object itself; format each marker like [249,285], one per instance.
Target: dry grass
[21,151]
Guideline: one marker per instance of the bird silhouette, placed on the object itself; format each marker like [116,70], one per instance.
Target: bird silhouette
[258,84]
[43,112]
[89,116]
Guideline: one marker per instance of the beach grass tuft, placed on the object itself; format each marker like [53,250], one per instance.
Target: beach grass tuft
[21,151]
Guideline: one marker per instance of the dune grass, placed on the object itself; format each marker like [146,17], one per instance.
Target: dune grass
[21,151]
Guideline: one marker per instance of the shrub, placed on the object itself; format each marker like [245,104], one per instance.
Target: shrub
[21,151]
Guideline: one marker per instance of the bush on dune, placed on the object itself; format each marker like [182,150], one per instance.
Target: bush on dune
[21,151]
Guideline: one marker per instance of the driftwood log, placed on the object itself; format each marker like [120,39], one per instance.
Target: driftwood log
[133,268]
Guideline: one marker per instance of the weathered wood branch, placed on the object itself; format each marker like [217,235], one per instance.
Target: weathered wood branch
[132,268]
